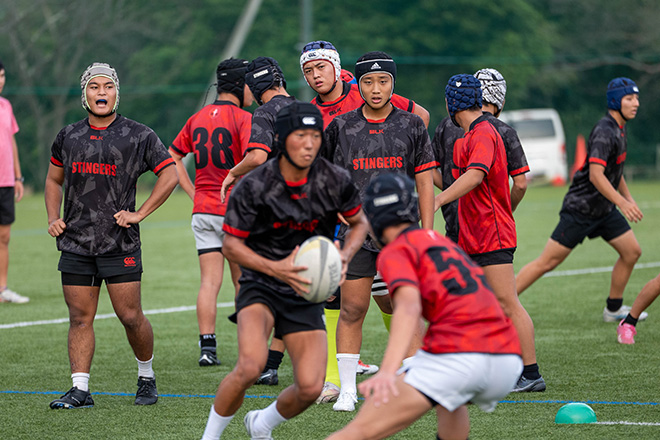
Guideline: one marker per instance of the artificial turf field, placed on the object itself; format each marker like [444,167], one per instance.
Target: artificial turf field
[577,352]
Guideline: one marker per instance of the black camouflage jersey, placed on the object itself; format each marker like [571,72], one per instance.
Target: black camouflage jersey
[444,139]
[101,170]
[263,124]
[369,148]
[274,216]
[607,146]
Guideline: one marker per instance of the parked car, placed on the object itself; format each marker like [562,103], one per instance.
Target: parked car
[542,136]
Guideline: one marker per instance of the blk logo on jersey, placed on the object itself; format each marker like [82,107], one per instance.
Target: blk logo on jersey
[94,168]
[96,138]
[376,131]
[129,262]
[298,196]
[621,159]
[368,163]
[304,226]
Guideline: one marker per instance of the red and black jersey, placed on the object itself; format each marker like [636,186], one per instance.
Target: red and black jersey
[607,146]
[446,135]
[369,148]
[484,214]
[263,124]
[463,313]
[101,170]
[351,99]
[218,134]
[274,216]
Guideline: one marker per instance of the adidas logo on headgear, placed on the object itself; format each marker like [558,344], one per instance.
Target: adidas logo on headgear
[375,66]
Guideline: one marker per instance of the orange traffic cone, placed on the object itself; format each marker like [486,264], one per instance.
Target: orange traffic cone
[580,154]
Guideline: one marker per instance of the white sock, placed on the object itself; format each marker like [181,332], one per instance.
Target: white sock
[268,419]
[144,368]
[215,425]
[347,363]
[81,381]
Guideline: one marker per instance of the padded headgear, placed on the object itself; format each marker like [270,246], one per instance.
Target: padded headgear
[375,62]
[462,92]
[390,200]
[321,50]
[617,89]
[231,77]
[92,71]
[493,87]
[262,74]
[296,116]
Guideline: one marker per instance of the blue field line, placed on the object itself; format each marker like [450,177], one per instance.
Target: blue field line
[266,396]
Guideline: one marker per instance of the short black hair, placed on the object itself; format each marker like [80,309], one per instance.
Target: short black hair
[2,66]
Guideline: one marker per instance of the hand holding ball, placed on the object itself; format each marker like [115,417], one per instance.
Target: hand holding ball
[323,263]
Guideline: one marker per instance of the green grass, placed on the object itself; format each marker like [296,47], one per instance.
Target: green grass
[578,353]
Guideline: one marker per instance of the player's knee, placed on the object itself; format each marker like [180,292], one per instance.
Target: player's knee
[247,371]
[308,392]
[131,319]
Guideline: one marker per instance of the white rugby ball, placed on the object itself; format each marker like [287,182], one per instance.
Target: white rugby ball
[323,263]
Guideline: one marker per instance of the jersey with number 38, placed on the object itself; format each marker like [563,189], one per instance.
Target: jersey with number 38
[218,135]
[463,313]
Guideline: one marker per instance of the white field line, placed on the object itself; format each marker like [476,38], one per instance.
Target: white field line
[586,271]
[627,423]
[107,315]
[558,273]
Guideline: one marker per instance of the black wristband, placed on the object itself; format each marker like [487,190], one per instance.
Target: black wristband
[20,179]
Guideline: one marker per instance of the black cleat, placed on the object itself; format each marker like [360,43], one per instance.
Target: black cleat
[525,385]
[74,398]
[146,393]
[268,377]
[208,358]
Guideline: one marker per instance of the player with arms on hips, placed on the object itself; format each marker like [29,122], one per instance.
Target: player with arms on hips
[270,213]
[588,209]
[471,351]
[96,162]
[218,135]
[493,87]
[487,230]
[11,189]
[368,141]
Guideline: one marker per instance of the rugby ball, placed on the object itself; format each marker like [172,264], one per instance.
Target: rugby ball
[323,263]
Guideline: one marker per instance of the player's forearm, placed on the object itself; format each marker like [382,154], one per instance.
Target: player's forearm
[167,181]
[463,185]
[624,191]
[518,190]
[422,113]
[437,178]
[236,251]
[405,319]
[356,234]
[600,182]
[252,160]
[17,162]
[53,199]
[184,179]
[424,184]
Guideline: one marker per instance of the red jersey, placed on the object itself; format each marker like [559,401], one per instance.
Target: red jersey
[351,99]
[464,315]
[218,134]
[485,218]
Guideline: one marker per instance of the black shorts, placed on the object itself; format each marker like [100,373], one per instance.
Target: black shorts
[78,269]
[292,313]
[362,265]
[7,205]
[503,256]
[574,227]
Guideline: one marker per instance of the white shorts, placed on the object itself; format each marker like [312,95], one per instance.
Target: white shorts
[208,231]
[379,288]
[454,379]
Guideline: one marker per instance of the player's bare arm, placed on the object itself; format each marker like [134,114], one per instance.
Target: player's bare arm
[424,184]
[355,236]
[463,185]
[628,208]
[437,179]
[53,198]
[18,184]
[184,179]
[167,180]
[518,190]
[422,113]
[252,160]
[236,251]
[405,320]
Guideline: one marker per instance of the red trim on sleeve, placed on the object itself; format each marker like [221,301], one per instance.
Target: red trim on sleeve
[519,171]
[298,183]
[56,162]
[177,151]
[426,166]
[598,161]
[352,212]
[164,164]
[257,146]
[236,232]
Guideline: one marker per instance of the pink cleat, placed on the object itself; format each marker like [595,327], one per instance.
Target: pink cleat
[625,333]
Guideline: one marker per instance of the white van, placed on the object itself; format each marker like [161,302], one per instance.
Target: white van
[542,137]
